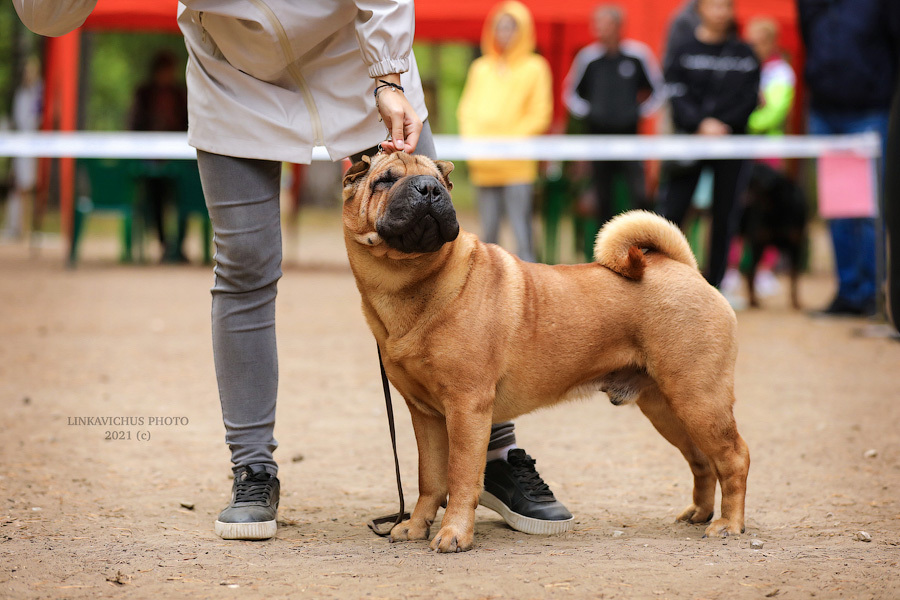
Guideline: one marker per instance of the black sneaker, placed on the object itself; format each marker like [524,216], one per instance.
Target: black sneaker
[514,490]
[840,307]
[254,504]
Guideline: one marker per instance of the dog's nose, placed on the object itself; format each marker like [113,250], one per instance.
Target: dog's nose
[428,187]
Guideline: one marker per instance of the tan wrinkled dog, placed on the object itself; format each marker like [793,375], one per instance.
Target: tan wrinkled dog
[472,335]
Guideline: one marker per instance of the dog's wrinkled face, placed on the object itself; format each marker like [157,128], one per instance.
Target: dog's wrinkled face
[400,202]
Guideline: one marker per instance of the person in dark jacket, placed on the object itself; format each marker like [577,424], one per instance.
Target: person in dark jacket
[611,85]
[851,70]
[713,80]
[160,104]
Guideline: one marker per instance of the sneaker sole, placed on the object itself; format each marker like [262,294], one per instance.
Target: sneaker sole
[261,530]
[521,522]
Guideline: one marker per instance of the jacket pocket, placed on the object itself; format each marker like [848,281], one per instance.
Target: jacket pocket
[251,46]
[261,38]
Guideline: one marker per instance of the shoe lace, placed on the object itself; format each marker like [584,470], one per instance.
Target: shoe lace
[255,488]
[524,471]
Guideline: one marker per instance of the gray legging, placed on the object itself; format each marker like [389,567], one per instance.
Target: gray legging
[243,199]
[515,200]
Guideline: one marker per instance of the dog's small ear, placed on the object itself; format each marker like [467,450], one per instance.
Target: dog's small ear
[357,170]
[445,167]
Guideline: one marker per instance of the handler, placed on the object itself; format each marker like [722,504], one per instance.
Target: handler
[268,81]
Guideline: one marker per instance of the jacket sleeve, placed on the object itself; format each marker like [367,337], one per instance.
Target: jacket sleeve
[806,10]
[466,111]
[771,116]
[893,18]
[539,105]
[736,114]
[686,113]
[384,30]
[53,18]
[576,103]
[654,78]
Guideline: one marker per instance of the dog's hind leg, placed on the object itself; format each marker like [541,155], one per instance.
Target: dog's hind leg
[655,406]
[432,443]
[756,254]
[795,256]
[708,419]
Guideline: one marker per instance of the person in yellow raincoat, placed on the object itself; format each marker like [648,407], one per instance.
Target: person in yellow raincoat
[508,93]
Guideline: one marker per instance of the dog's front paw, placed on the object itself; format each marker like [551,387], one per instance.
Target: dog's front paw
[694,514]
[407,530]
[453,539]
[723,528]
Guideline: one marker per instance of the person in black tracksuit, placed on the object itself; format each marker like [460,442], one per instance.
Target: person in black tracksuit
[713,81]
[611,85]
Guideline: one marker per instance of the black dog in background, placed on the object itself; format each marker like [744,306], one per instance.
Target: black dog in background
[775,214]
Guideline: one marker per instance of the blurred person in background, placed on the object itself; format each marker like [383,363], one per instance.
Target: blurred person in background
[777,81]
[682,28]
[612,84]
[713,79]
[160,104]
[253,105]
[777,84]
[508,93]
[852,49]
[26,116]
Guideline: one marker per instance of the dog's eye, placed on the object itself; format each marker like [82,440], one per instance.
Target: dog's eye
[385,181]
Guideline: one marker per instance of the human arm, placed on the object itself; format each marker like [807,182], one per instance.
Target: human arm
[398,115]
[687,113]
[653,86]
[893,22]
[771,115]
[468,114]
[384,31]
[807,12]
[539,104]
[738,106]
[53,18]
[573,94]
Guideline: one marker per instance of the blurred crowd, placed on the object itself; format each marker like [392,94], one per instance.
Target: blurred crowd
[716,79]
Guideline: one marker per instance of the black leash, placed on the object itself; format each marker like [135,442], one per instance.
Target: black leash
[377,525]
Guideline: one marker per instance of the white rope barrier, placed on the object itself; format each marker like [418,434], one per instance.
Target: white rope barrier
[143,145]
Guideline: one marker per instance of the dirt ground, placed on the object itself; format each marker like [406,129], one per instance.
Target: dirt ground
[84,516]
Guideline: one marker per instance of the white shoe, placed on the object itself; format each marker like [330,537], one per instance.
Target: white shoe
[731,282]
[766,283]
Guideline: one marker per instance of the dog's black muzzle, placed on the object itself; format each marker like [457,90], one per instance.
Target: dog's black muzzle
[419,217]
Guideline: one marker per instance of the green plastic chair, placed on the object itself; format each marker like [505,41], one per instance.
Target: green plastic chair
[191,201]
[112,189]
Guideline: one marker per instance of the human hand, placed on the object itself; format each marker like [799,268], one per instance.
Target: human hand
[403,124]
[711,126]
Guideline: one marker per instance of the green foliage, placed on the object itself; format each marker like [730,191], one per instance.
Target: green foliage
[447,66]
[7,22]
[12,32]
[117,63]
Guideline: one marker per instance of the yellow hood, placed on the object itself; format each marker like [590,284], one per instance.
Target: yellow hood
[506,95]
[522,43]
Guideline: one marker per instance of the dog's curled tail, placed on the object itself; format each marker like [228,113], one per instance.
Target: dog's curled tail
[619,244]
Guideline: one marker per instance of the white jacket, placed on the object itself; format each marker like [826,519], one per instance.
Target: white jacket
[270,79]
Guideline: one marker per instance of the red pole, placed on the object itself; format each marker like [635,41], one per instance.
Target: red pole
[70,46]
[61,109]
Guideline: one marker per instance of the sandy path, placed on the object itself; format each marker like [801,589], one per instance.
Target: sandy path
[86,517]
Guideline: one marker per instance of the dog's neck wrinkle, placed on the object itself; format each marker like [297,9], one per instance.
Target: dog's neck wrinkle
[412,285]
